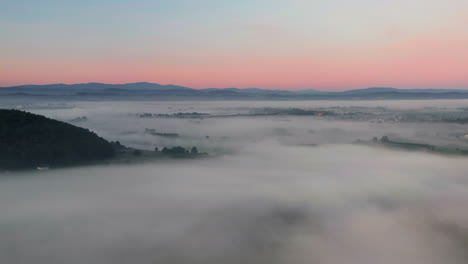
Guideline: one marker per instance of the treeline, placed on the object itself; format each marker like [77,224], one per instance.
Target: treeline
[408,145]
[174,115]
[290,111]
[180,152]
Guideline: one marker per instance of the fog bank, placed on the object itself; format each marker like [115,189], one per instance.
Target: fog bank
[277,189]
[267,204]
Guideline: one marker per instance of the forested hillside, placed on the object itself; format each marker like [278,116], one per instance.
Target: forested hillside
[29,140]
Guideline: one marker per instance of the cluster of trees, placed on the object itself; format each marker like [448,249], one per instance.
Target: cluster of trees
[383,139]
[407,145]
[189,114]
[179,151]
[29,140]
[178,115]
[457,120]
[290,111]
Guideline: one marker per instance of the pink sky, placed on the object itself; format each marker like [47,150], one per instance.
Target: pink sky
[414,49]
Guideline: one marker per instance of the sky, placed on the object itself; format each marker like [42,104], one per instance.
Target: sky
[272,44]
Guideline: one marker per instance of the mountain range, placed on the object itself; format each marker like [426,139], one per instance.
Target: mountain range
[158,91]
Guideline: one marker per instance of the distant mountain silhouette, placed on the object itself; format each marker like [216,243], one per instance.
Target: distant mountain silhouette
[371,90]
[167,92]
[28,141]
[389,89]
[101,86]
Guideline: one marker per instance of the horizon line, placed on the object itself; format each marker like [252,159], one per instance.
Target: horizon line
[243,88]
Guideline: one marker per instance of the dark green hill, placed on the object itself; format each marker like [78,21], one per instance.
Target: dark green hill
[29,140]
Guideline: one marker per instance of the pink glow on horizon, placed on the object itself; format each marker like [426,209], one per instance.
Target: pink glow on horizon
[439,61]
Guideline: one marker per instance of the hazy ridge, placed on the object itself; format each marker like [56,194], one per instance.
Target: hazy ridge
[158,91]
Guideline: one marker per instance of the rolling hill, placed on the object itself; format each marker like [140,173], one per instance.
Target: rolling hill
[29,140]
[155,91]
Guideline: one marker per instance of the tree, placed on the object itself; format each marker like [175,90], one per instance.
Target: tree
[194,150]
[174,150]
[384,139]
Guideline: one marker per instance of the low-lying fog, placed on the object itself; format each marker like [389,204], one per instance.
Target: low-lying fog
[267,194]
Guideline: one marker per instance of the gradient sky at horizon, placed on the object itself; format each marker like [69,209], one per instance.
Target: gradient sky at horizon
[277,44]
